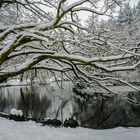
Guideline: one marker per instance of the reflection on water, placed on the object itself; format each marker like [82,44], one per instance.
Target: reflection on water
[39,102]
[51,101]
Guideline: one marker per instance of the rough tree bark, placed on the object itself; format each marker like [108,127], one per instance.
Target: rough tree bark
[1,1]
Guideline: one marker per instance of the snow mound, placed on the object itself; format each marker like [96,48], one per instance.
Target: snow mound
[20,113]
[16,112]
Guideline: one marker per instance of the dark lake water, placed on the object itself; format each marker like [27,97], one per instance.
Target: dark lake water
[57,100]
[51,101]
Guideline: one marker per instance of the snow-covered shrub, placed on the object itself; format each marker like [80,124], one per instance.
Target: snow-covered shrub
[16,112]
[20,113]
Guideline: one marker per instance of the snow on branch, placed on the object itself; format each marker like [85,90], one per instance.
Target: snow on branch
[61,43]
[72,58]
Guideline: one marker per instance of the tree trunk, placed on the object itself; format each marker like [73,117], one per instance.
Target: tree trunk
[1,1]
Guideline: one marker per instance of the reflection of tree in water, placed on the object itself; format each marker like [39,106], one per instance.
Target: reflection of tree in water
[95,110]
[104,111]
[2,101]
[6,102]
[33,104]
[36,102]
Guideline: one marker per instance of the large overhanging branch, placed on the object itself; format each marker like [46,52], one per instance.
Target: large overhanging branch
[72,58]
[21,39]
[57,34]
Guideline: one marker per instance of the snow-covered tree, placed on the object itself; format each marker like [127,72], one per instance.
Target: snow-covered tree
[138,9]
[8,15]
[121,18]
[60,42]
[126,18]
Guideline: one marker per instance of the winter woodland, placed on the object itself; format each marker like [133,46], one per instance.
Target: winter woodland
[92,43]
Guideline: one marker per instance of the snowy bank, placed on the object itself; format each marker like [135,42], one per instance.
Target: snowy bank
[11,130]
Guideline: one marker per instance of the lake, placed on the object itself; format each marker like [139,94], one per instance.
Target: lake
[57,100]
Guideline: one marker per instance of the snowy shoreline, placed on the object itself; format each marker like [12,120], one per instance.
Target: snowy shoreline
[12,130]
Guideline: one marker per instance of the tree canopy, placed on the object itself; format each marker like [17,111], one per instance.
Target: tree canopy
[49,35]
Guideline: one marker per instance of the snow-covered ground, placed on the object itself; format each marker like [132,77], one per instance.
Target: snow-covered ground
[11,130]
